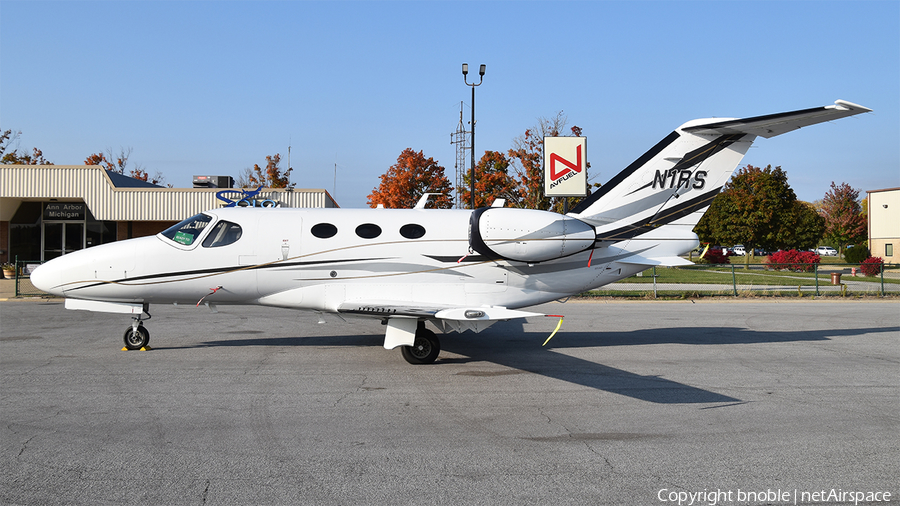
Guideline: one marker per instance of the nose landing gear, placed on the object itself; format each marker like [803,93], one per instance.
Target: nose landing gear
[136,336]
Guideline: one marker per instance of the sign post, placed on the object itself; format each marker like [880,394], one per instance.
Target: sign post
[565,167]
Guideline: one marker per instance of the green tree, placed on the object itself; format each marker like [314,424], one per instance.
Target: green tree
[801,226]
[758,209]
[405,182]
[845,222]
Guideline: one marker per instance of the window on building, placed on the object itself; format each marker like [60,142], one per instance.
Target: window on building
[888,250]
[25,232]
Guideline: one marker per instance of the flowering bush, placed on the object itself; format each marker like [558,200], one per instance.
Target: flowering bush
[800,261]
[872,266]
[716,256]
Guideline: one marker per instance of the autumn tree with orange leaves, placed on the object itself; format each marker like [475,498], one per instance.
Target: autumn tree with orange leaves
[527,158]
[492,181]
[13,157]
[119,163]
[405,182]
[272,177]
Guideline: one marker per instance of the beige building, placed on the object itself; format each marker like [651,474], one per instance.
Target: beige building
[884,224]
[50,210]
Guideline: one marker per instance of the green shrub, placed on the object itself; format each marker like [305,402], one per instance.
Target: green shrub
[856,254]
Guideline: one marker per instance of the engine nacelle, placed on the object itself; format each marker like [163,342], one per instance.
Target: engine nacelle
[527,235]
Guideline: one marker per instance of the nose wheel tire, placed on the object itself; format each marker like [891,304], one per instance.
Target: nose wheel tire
[137,337]
[425,348]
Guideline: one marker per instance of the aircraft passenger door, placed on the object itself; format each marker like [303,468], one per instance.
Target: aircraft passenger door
[278,256]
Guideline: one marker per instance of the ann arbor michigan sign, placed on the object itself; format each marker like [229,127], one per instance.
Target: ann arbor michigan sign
[64,211]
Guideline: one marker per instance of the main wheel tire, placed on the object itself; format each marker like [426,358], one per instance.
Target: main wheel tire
[137,339]
[425,348]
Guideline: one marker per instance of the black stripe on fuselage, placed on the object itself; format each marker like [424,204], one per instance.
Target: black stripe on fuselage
[621,176]
[663,218]
[222,270]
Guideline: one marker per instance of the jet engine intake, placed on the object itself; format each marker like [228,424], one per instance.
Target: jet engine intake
[527,235]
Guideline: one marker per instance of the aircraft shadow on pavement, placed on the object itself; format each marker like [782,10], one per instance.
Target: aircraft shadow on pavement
[508,344]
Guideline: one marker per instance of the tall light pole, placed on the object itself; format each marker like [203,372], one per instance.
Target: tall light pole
[465,71]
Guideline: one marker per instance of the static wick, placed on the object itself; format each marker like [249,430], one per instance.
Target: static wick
[558,325]
[214,290]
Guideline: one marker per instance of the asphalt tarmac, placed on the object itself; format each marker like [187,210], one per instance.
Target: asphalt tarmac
[630,403]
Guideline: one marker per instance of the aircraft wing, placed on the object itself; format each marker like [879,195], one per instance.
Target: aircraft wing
[436,311]
[402,318]
[777,124]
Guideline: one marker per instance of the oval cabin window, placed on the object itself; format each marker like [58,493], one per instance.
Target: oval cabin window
[368,230]
[324,230]
[412,231]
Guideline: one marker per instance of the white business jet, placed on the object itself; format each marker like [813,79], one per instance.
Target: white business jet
[458,269]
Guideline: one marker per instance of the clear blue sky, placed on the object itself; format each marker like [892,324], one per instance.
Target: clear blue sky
[214,87]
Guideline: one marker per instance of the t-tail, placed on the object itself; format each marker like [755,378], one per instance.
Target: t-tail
[665,192]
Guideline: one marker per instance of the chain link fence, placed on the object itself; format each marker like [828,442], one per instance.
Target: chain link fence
[24,288]
[757,280]
[696,280]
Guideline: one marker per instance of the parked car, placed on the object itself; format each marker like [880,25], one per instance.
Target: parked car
[738,249]
[826,251]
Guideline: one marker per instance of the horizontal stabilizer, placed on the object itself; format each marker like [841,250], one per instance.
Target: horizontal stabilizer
[663,261]
[777,124]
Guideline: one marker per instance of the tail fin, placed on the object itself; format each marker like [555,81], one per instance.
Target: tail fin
[675,181]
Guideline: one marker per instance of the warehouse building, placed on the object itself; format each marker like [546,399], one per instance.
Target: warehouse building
[884,224]
[49,210]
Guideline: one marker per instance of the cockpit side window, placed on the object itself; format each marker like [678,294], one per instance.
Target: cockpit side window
[188,230]
[223,234]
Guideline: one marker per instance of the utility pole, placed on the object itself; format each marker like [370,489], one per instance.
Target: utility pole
[465,71]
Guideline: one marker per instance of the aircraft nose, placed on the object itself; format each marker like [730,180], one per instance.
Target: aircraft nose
[48,278]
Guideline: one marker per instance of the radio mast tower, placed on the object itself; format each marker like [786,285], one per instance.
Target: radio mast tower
[461,139]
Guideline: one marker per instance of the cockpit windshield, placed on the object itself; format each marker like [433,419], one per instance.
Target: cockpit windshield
[188,230]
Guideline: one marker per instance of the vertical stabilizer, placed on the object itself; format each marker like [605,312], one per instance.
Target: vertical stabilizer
[675,181]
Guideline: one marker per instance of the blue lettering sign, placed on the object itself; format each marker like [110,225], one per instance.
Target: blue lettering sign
[246,198]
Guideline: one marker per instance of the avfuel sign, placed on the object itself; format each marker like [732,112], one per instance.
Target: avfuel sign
[565,166]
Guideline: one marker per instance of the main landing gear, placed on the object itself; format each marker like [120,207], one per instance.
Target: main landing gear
[136,336]
[425,348]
